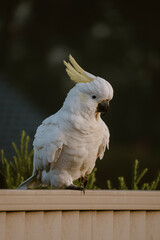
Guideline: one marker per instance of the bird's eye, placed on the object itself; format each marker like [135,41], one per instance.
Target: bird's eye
[94,96]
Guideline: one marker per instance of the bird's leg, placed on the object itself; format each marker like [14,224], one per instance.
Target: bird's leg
[85,181]
[80,180]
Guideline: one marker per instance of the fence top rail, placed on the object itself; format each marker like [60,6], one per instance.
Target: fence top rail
[50,200]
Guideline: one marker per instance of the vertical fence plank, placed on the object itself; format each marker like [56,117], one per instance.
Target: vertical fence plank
[138,225]
[85,225]
[103,225]
[52,225]
[121,225]
[153,225]
[15,225]
[2,225]
[94,226]
[70,225]
[34,225]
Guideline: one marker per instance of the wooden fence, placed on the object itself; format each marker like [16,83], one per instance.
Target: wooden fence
[66,214]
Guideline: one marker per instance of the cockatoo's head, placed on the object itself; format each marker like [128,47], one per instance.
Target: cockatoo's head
[91,95]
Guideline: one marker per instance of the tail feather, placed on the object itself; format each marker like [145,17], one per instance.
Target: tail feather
[31,182]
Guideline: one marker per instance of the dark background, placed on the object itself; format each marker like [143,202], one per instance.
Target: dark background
[117,40]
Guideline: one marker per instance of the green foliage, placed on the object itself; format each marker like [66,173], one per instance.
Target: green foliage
[137,178]
[16,171]
[154,185]
[121,182]
[91,184]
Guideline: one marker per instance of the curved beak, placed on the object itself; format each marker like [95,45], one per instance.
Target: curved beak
[103,107]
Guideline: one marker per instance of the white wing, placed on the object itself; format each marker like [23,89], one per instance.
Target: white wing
[105,142]
[47,144]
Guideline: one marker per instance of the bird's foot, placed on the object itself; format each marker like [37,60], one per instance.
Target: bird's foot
[74,187]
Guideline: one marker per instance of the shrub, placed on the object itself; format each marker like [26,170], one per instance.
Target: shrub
[20,168]
[136,182]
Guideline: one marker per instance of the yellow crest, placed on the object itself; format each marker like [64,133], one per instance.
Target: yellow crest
[76,73]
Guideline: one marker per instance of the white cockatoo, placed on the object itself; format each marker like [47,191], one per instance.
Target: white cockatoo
[67,143]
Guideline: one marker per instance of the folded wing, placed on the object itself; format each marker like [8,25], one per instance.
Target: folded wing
[48,145]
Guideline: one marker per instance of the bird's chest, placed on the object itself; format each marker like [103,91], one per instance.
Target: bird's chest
[81,150]
[84,142]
